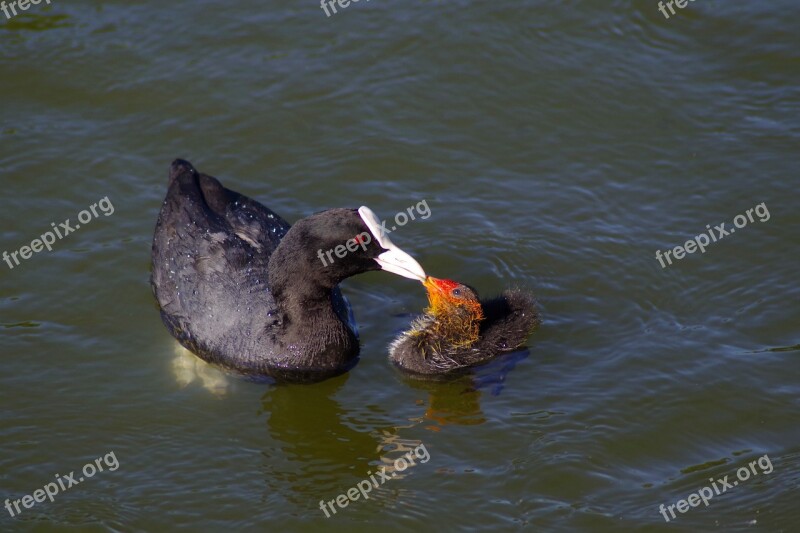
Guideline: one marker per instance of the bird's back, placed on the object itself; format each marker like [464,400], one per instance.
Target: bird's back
[211,251]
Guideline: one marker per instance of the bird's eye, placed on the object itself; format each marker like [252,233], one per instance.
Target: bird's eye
[456,292]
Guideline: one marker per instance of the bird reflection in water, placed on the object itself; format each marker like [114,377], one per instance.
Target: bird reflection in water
[458,401]
[324,448]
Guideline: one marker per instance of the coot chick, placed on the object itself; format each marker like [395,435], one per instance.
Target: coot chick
[241,288]
[458,330]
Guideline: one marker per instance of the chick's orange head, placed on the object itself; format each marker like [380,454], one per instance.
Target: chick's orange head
[444,294]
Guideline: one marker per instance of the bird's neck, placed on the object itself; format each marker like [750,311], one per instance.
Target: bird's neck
[457,327]
[304,300]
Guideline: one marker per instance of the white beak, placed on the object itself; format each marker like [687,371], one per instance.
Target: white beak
[394,259]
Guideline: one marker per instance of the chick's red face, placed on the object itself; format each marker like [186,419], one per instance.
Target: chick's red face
[446,293]
[442,285]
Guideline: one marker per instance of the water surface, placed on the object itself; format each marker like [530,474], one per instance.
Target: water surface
[558,145]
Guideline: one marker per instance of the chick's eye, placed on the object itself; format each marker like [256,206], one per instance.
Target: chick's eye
[456,292]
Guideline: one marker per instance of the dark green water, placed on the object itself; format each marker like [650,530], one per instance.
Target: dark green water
[558,146]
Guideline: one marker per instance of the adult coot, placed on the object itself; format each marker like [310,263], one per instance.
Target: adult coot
[458,330]
[241,288]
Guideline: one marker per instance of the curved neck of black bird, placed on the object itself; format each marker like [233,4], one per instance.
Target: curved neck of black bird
[302,291]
